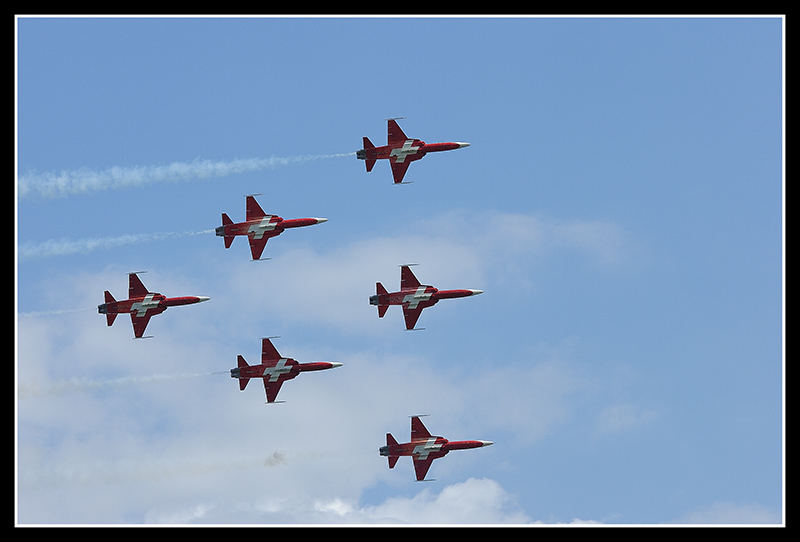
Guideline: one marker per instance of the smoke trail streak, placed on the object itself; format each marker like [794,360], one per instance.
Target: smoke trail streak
[63,247]
[55,184]
[151,468]
[77,384]
[54,312]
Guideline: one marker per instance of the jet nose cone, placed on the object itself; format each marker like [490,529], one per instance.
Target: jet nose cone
[461,144]
[486,442]
[476,292]
[335,364]
[321,220]
[202,298]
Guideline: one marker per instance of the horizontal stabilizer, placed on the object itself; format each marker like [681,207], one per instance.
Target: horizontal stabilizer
[369,160]
[226,221]
[110,317]
[381,291]
[241,363]
[390,441]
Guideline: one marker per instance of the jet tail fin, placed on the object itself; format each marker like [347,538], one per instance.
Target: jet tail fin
[242,364]
[226,220]
[369,162]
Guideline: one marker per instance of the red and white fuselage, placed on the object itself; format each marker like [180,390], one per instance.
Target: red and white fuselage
[424,447]
[274,369]
[141,304]
[413,296]
[400,150]
[259,227]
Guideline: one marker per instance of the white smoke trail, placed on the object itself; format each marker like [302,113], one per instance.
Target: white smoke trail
[56,311]
[77,384]
[54,184]
[63,247]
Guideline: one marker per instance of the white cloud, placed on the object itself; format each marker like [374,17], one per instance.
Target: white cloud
[731,513]
[158,446]
[474,501]
[477,501]
[117,430]
[453,250]
[618,418]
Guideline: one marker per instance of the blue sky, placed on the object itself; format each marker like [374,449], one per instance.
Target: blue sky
[620,206]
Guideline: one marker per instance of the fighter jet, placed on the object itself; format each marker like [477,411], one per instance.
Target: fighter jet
[274,369]
[413,296]
[141,304]
[259,226]
[424,447]
[400,150]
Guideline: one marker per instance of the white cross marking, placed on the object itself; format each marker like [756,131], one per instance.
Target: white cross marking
[404,151]
[276,371]
[141,306]
[421,451]
[417,297]
[258,229]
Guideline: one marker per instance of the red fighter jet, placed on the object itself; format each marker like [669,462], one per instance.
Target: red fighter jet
[274,369]
[424,447]
[401,151]
[141,304]
[259,227]
[413,296]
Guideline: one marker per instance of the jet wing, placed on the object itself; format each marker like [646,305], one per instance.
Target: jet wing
[253,209]
[411,316]
[135,287]
[399,169]
[395,135]
[268,351]
[407,279]
[272,389]
[140,322]
[418,429]
[421,467]
[257,245]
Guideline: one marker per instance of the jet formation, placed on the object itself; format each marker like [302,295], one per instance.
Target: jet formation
[259,227]
[424,447]
[400,150]
[274,369]
[413,296]
[141,304]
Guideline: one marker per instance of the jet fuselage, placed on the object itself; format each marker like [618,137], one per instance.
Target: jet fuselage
[266,226]
[421,297]
[430,448]
[154,302]
[284,369]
